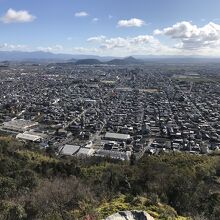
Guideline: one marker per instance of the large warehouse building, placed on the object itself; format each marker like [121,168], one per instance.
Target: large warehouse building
[19,125]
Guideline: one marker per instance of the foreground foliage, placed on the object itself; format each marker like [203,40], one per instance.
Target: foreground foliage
[37,185]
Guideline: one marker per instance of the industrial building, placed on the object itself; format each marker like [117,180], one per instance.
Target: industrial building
[19,125]
[74,150]
[118,155]
[29,137]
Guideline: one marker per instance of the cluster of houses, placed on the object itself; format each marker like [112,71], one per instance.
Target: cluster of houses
[109,111]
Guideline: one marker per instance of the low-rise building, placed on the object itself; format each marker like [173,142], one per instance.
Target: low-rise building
[19,125]
[117,136]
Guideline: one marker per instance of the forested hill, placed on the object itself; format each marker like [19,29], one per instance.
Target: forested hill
[36,185]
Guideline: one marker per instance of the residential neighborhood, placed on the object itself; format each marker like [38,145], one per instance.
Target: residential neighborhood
[112,110]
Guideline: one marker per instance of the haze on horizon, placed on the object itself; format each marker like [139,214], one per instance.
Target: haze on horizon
[111,27]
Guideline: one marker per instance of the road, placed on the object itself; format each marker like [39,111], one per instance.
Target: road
[141,154]
[108,94]
[195,107]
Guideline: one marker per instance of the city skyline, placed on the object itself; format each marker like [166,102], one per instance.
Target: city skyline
[111,28]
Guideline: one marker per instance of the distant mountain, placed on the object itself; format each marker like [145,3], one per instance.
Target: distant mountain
[88,62]
[40,56]
[102,59]
[176,59]
[47,56]
[131,59]
[125,61]
[72,60]
[30,56]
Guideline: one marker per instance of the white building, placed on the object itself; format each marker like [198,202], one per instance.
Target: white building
[117,136]
[69,150]
[29,137]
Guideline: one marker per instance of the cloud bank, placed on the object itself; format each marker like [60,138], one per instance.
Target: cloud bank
[181,38]
[192,37]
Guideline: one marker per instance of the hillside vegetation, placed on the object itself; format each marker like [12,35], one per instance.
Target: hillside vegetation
[37,185]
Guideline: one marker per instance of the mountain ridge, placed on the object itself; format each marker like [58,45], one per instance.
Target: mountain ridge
[123,61]
[41,56]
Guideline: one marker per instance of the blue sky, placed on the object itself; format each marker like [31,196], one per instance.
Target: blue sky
[111,27]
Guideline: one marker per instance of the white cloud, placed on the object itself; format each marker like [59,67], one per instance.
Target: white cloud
[186,39]
[4,45]
[55,48]
[142,44]
[120,42]
[10,47]
[97,39]
[84,50]
[114,43]
[182,29]
[12,16]
[192,37]
[142,39]
[81,14]
[95,20]
[58,47]
[133,22]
